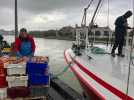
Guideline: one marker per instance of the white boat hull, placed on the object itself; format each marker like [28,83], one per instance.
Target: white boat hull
[97,83]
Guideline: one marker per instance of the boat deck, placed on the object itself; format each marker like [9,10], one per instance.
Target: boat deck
[109,75]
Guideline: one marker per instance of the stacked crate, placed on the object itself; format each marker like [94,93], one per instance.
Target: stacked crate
[38,76]
[17,79]
[2,75]
[3,83]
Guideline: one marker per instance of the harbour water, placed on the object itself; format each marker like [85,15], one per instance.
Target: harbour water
[55,50]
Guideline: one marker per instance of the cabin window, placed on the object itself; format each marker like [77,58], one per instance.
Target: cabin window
[106,33]
[97,33]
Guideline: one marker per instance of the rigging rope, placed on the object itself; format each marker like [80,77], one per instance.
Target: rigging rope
[89,4]
[129,66]
[95,17]
[109,36]
[98,10]
[131,58]
[93,20]
[108,13]
[85,12]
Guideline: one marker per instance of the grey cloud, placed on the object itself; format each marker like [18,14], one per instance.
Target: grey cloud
[72,9]
[39,6]
[6,4]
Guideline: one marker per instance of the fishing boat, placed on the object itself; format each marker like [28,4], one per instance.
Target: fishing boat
[102,76]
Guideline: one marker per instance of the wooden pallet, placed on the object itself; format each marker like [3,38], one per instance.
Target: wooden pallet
[36,98]
[29,98]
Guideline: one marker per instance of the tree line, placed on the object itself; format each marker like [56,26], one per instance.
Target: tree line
[65,33]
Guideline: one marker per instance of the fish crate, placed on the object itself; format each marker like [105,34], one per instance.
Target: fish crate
[36,68]
[1,64]
[19,91]
[39,90]
[3,93]
[28,98]
[3,71]
[16,69]
[3,82]
[36,98]
[4,59]
[38,80]
[14,81]
[6,50]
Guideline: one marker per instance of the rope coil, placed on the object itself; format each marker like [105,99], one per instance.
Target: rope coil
[97,50]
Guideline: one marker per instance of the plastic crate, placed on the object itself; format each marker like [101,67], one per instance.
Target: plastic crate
[1,65]
[14,81]
[36,68]
[3,93]
[4,59]
[3,71]
[41,90]
[16,69]
[6,50]
[38,80]
[3,82]
[15,92]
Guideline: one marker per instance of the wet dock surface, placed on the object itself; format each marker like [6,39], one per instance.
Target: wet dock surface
[61,91]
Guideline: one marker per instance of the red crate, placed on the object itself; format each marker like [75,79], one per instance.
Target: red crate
[1,65]
[3,82]
[4,59]
[3,71]
[15,92]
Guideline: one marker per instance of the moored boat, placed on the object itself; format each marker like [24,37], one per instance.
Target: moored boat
[101,75]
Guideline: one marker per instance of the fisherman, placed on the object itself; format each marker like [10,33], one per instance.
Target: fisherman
[1,47]
[24,45]
[121,27]
[5,44]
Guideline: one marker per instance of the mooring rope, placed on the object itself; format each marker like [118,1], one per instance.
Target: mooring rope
[64,70]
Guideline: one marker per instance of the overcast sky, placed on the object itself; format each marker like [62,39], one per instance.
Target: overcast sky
[54,14]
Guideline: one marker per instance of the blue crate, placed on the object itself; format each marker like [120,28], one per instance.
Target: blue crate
[36,68]
[38,80]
